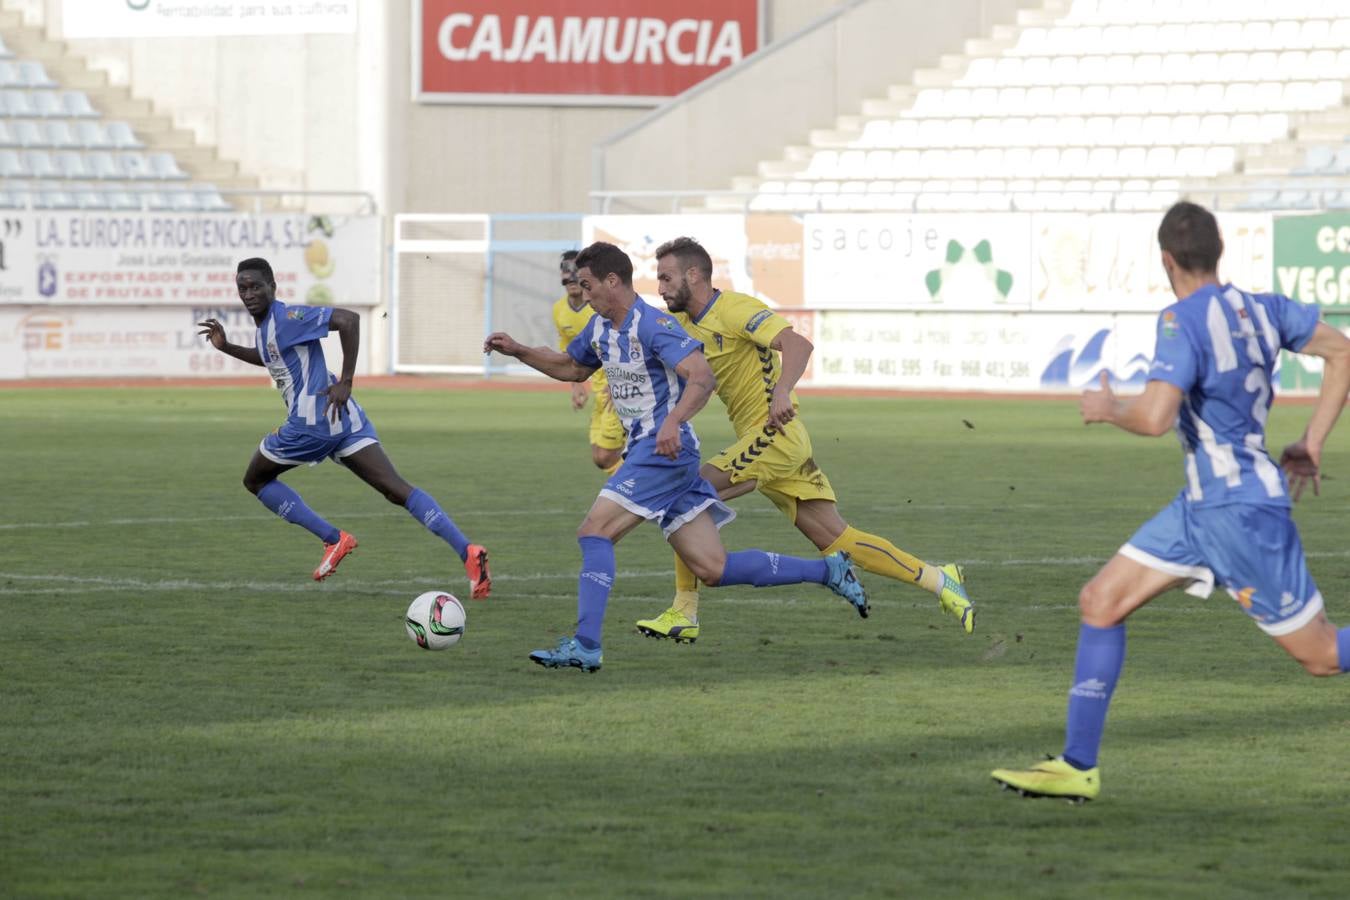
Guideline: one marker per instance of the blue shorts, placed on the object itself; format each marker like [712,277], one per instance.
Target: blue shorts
[290,445]
[668,495]
[1253,552]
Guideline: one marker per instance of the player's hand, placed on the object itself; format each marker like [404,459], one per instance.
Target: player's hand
[504,344]
[214,331]
[579,394]
[668,439]
[780,408]
[1098,405]
[1301,464]
[337,394]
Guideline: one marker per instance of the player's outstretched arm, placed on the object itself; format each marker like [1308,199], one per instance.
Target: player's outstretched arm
[1301,460]
[348,326]
[1151,413]
[215,333]
[796,353]
[700,382]
[543,359]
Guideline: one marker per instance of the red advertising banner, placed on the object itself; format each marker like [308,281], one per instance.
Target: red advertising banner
[596,52]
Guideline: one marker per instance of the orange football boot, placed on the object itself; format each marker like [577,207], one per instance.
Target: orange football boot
[333,554]
[476,566]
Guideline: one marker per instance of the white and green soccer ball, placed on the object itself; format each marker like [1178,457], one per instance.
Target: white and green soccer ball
[435,620]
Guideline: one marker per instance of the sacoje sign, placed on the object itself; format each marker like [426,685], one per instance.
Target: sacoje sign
[1312,265]
[597,52]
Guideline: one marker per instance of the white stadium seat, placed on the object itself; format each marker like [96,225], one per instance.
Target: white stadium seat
[93,135]
[61,136]
[1114,104]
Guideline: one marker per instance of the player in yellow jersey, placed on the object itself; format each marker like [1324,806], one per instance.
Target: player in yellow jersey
[757,359]
[570,315]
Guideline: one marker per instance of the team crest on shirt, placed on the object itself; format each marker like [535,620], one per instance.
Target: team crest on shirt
[667,323]
[634,349]
[296,313]
[1170,327]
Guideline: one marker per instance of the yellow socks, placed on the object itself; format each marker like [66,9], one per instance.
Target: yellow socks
[878,555]
[686,590]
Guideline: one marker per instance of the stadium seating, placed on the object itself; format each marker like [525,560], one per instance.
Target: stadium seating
[57,151]
[1096,104]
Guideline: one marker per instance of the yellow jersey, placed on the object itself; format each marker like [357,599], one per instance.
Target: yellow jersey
[736,330]
[569,323]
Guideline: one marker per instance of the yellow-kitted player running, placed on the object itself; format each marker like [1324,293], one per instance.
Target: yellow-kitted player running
[570,315]
[742,340]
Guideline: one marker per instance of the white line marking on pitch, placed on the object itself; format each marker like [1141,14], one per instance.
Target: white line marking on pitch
[52,583]
[576,512]
[179,520]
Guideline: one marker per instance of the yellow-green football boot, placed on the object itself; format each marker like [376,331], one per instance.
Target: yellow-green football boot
[671,624]
[1052,778]
[952,598]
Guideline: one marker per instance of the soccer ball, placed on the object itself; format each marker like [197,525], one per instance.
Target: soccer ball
[435,620]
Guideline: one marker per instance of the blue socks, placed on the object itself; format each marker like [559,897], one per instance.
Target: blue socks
[762,569]
[424,508]
[1101,654]
[286,503]
[597,577]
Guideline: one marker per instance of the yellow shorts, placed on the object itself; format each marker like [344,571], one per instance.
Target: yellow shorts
[606,427]
[780,461]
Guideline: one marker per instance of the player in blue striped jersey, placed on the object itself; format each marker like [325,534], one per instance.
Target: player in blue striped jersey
[658,379]
[323,421]
[1230,525]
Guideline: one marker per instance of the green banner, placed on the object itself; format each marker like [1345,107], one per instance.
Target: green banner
[1312,265]
[1312,258]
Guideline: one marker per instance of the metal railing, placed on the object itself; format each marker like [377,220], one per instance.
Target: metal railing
[1269,193]
[362,202]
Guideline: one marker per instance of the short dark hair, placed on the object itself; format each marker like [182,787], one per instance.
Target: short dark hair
[257,264]
[604,260]
[568,255]
[1191,234]
[689,253]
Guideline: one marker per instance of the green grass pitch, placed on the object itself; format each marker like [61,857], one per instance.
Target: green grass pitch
[184,713]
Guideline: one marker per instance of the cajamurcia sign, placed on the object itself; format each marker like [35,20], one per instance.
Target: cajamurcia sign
[580,52]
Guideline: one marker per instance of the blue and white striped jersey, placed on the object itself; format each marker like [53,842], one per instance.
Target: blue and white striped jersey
[288,342]
[639,359]
[1219,346]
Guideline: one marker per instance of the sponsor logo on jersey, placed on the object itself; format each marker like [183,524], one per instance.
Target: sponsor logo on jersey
[666,323]
[296,313]
[757,320]
[1170,327]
